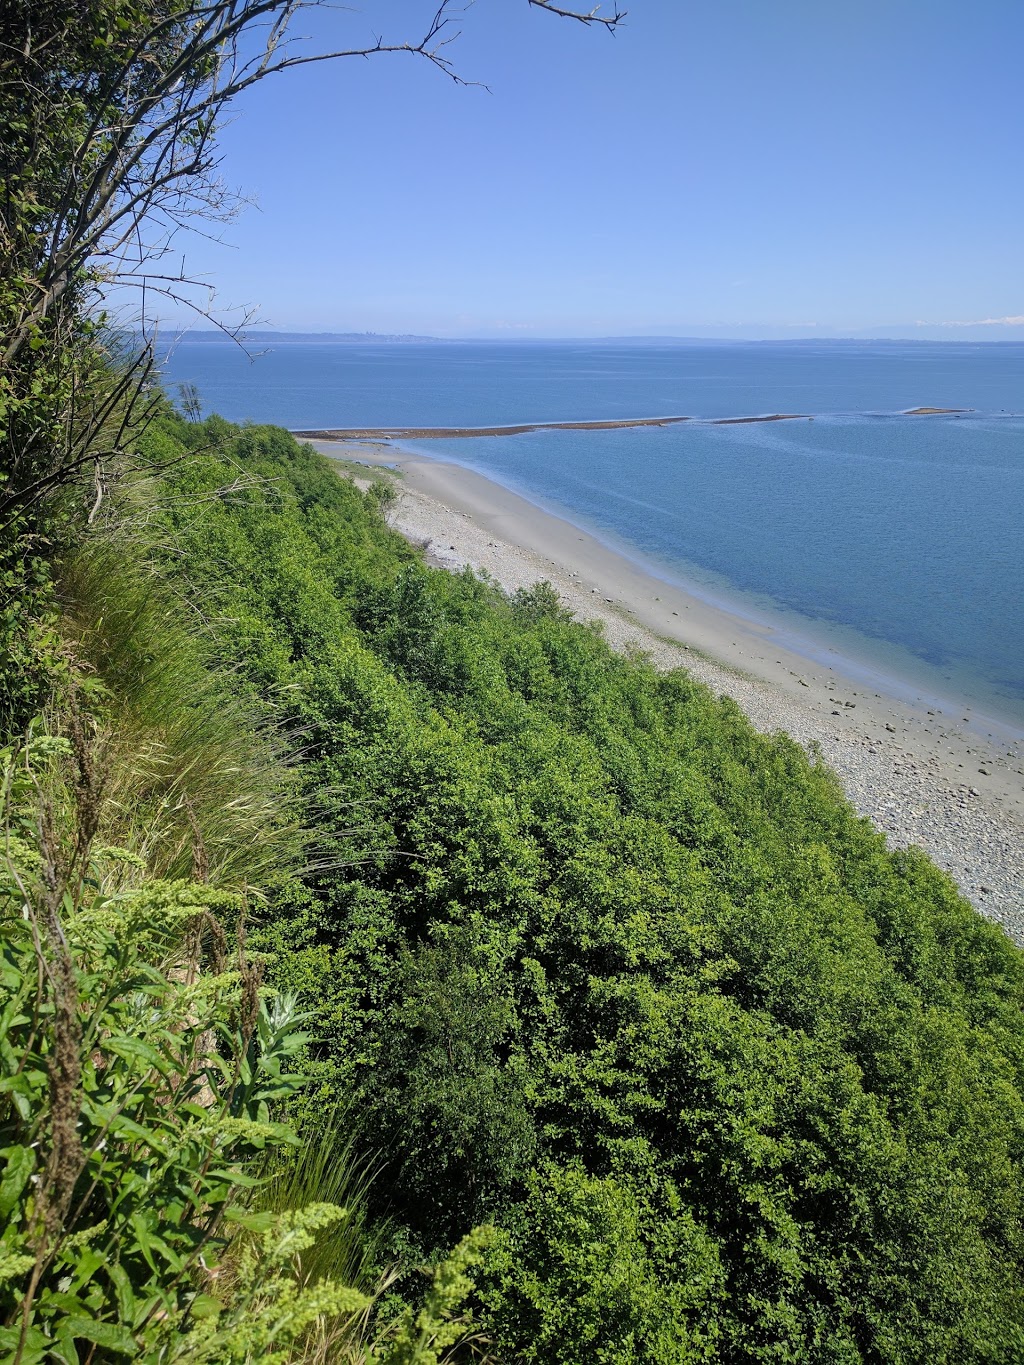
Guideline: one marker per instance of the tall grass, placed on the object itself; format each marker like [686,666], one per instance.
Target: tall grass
[328,1168]
[325,1169]
[200,785]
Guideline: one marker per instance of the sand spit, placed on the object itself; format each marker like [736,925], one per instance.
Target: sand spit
[436,433]
[518,429]
[926,772]
[428,433]
[771,417]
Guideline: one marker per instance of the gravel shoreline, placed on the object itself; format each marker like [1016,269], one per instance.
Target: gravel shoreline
[921,775]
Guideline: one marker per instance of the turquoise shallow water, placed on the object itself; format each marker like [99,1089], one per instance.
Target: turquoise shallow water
[897,540]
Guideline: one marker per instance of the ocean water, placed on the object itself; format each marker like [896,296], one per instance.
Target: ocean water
[896,541]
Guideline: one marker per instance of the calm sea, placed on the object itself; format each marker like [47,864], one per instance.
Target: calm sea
[897,541]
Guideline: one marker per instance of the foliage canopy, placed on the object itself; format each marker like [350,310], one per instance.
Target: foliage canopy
[614,972]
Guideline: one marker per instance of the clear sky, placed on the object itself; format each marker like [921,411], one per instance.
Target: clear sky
[723,167]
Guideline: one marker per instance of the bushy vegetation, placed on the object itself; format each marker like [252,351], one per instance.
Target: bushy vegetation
[351,905]
[595,963]
[353,911]
[154,1204]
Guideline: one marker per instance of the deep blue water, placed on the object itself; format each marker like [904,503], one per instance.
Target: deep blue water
[897,540]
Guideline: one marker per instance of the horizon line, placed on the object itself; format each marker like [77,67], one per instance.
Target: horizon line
[218,334]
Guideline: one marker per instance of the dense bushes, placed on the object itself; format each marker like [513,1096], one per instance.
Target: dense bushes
[144,1069]
[587,959]
[601,965]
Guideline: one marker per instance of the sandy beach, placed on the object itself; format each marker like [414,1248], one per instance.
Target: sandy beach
[927,772]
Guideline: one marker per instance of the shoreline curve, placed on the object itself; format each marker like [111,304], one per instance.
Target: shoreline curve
[916,765]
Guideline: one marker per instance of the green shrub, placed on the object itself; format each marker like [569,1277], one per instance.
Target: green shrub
[584,1271]
[135,1090]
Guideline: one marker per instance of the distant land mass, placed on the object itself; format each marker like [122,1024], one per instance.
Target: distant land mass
[209,335]
[260,337]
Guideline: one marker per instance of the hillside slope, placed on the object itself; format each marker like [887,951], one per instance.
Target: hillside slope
[599,964]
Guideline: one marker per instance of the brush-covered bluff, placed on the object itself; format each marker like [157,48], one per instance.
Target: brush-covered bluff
[375,913]
[592,962]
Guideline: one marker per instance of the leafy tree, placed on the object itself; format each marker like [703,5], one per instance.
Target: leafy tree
[109,112]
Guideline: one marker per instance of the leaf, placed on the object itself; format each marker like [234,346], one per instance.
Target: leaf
[143,1239]
[255,1222]
[20,1164]
[206,1306]
[106,1334]
[134,1049]
[87,1265]
[22,1091]
[128,1129]
[68,1352]
[126,1305]
[35,1348]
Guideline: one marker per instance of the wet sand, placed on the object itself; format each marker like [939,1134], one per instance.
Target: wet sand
[927,772]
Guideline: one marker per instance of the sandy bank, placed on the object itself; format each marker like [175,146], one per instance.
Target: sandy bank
[923,772]
[437,433]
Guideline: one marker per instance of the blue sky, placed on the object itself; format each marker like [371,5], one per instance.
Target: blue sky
[720,167]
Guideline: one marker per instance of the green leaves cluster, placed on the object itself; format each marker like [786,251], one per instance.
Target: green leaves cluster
[614,972]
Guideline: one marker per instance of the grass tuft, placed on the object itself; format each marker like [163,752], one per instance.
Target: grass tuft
[200,784]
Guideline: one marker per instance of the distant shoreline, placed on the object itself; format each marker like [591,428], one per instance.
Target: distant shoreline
[209,337]
[413,433]
[518,429]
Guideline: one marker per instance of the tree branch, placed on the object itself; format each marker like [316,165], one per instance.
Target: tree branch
[610,22]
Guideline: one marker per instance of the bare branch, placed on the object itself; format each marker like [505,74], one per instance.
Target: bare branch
[113,123]
[610,22]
